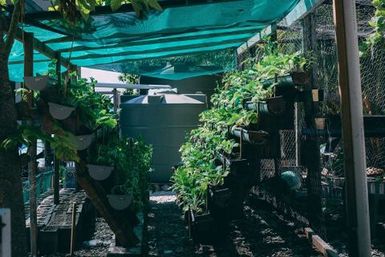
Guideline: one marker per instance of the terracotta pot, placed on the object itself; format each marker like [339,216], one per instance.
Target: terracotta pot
[119,202]
[60,112]
[99,172]
[36,83]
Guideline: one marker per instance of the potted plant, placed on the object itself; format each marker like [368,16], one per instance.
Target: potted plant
[100,164]
[299,72]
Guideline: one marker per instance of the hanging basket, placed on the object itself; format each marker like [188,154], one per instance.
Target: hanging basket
[38,83]
[120,202]
[60,112]
[99,172]
[82,142]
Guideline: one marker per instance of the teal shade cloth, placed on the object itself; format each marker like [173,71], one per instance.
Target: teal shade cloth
[119,41]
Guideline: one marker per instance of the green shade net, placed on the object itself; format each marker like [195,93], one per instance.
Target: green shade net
[203,37]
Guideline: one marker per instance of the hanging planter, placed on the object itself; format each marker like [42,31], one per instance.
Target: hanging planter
[273,106]
[119,200]
[256,137]
[301,77]
[38,83]
[82,142]
[60,112]
[99,172]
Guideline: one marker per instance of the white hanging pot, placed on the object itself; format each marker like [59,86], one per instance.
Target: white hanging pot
[36,83]
[99,172]
[82,142]
[60,112]
[119,202]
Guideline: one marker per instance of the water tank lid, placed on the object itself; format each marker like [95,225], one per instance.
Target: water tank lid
[166,99]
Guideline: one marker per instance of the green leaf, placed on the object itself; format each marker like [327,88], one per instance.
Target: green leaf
[115,4]
[154,4]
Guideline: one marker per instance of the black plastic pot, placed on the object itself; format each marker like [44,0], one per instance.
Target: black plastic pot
[281,81]
[219,198]
[301,78]
[254,137]
[275,106]
[202,227]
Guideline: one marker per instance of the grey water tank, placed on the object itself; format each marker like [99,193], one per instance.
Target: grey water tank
[162,120]
[205,84]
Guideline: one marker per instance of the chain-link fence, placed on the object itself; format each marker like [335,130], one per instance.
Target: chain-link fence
[293,39]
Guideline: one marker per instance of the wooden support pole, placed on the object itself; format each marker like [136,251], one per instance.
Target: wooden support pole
[311,147]
[56,176]
[73,229]
[116,99]
[28,71]
[43,48]
[357,207]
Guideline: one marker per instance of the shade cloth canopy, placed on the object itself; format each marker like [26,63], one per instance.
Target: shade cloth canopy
[181,41]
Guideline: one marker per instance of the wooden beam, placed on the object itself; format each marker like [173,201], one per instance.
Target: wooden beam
[357,207]
[301,10]
[43,48]
[28,71]
[254,40]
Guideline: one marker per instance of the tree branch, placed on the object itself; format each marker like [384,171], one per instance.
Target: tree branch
[16,14]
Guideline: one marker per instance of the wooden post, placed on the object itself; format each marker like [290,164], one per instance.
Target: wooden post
[357,207]
[28,71]
[56,176]
[297,131]
[311,147]
[116,99]
[73,229]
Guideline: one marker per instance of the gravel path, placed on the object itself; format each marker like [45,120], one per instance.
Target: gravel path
[259,233]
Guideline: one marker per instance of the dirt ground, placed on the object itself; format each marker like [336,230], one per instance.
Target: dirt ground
[261,233]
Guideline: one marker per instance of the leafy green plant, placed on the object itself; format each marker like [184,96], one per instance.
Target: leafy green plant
[95,110]
[60,141]
[132,161]
[203,145]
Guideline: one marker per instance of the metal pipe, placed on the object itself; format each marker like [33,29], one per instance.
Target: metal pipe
[357,207]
